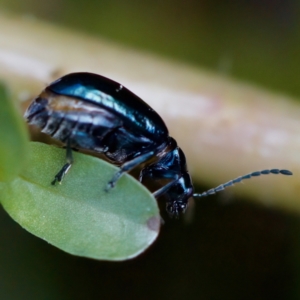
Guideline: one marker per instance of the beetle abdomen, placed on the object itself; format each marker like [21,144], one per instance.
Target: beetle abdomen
[65,118]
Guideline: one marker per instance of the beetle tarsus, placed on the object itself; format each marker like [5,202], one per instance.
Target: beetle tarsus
[64,170]
[61,174]
[109,186]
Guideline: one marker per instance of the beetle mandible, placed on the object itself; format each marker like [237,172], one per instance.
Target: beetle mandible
[92,112]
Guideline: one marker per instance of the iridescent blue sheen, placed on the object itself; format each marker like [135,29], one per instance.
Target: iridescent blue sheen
[99,90]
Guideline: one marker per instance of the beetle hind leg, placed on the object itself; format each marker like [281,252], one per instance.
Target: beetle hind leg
[63,171]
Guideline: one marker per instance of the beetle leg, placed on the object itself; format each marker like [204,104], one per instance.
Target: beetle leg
[165,188]
[126,167]
[69,158]
[157,173]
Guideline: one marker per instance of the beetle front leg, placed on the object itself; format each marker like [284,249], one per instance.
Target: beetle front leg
[69,158]
[158,173]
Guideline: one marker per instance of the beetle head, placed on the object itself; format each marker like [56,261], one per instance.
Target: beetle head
[178,195]
[176,208]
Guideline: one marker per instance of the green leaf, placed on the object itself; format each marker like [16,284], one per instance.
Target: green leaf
[78,216]
[13,137]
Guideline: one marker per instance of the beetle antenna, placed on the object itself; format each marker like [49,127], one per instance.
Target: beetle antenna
[223,186]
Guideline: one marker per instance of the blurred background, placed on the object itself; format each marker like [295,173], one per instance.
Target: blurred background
[229,251]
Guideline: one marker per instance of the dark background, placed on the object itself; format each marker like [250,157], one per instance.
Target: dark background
[230,251]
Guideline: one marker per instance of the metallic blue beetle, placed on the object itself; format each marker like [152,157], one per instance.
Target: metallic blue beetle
[89,111]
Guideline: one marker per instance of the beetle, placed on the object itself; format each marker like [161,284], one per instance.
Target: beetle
[91,112]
